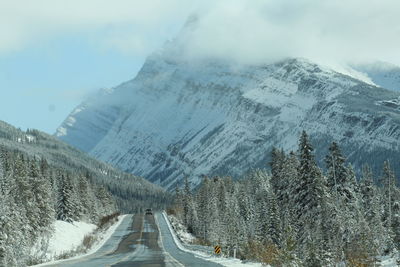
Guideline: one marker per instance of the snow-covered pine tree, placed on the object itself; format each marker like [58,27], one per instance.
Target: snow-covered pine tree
[336,170]
[203,208]
[33,211]
[235,225]
[341,182]
[44,199]
[13,233]
[387,183]
[187,205]
[186,200]
[274,224]
[396,224]
[370,207]
[260,186]
[390,199]
[84,198]
[310,192]
[286,201]
[23,196]
[104,198]
[4,217]
[338,180]
[246,210]
[277,167]
[66,205]
[221,205]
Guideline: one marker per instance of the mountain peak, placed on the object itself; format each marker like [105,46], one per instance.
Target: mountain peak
[182,118]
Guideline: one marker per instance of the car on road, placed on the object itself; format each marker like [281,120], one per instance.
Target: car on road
[149,212]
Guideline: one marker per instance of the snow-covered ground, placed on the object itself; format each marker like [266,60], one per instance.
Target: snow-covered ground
[232,262]
[388,262]
[69,236]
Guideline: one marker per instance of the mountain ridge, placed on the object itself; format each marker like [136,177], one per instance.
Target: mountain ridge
[179,118]
[129,191]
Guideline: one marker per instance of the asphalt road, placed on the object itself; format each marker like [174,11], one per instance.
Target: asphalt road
[140,240]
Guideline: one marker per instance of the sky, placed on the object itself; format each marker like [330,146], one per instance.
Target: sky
[54,53]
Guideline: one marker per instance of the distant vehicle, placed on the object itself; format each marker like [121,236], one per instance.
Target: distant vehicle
[149,212]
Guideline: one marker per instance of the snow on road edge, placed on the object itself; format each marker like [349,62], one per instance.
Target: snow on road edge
[103,239]
[105,236]
[223,261]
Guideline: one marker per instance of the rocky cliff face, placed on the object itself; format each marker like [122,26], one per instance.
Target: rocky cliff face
[178,119]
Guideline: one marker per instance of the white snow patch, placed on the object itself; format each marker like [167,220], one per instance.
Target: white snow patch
[388,261]
[70,121]
[180,230]
[77,110]
[61,131]
[68,236]
[63,238]
[349,71]
[30,138]
[272,92]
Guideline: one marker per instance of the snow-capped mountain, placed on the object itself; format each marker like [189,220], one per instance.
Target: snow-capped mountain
[177,119]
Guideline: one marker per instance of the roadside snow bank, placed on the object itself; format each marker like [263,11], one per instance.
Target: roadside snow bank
[180,231]
[104,236]
[387,261]
[231,262]
[67,237]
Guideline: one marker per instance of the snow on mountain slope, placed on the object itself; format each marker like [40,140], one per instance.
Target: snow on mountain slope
[383,74]
[94,117]
[179,119]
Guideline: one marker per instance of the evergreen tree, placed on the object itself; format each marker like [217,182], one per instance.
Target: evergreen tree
[396,224]
[309,194]
[203,209]
[277,168]
[371,210]
[387,182]
[65,211]
[187,206]
[287,202]
[273,231]
[44,199]
[336,170]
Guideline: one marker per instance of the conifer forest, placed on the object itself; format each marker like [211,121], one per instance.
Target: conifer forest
[296,213]
[43,180]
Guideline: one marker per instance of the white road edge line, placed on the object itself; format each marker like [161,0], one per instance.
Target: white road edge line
[175,238]
[162,245]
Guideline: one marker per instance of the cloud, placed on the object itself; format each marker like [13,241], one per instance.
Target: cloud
[23,23]
[247,31]
[326,31]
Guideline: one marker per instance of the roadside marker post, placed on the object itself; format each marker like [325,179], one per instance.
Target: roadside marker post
[217,250]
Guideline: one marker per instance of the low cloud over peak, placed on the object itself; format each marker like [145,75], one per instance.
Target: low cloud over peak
[331,32]
[241,30]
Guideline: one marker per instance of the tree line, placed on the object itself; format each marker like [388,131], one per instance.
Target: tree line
[130,192]
[296,214]
[33,195]
[43,179]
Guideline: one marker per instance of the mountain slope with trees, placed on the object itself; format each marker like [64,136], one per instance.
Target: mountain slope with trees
[131,192]
[43,180]
[298,214]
